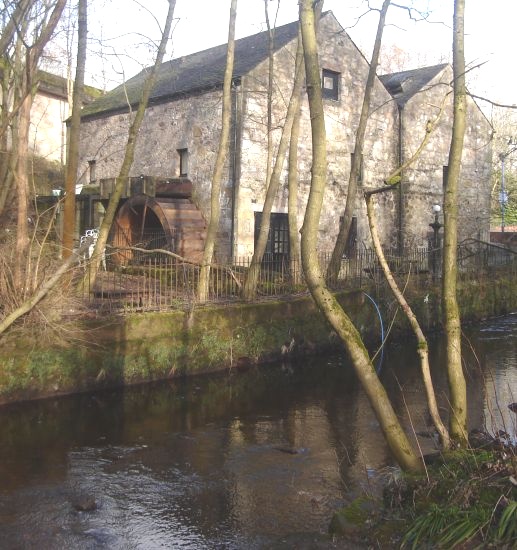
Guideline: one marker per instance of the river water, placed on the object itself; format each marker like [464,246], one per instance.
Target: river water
[252,459]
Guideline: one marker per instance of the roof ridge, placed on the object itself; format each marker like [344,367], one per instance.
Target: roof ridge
[403,85]
[416,69]
[194,72]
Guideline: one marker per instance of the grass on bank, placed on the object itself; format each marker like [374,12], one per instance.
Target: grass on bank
[469,500]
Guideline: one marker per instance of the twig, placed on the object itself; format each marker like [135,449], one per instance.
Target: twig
[44,289]
[413,429]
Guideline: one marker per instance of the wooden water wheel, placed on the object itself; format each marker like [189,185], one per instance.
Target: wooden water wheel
[171,223]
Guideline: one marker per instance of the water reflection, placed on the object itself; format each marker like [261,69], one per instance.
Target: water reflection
[496,343]
[252,460]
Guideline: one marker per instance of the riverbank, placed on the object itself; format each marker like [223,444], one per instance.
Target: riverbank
[88,354]
[467,499]
[256,459]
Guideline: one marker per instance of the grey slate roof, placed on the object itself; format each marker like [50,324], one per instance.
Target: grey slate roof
[405,84]
[192,73]
[56,86]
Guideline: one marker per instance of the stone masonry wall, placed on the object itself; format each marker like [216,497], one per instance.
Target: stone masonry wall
[157,345]
[191,123]
[194,123]
[423,181]
[338,54]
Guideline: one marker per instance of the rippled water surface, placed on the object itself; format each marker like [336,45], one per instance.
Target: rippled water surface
[255,459]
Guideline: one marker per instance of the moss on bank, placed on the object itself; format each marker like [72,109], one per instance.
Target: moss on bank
[141,347]
[150,346]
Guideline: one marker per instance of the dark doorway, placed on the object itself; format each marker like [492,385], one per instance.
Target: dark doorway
[277,248]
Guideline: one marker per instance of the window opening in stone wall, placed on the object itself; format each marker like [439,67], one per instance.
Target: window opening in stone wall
[183,155]
[445,175]
[330,84]
[91,169]
[360,172]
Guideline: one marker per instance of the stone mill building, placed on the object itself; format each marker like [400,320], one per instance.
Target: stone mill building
[169,188]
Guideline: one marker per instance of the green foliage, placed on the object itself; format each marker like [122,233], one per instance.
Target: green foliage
[357,511]
[427,526]
[252,341]
[352,518]
[136,369]
[448,526]
[507,527]
[393,180]
[217,349]
[10,380]
[464,526]
[463,501]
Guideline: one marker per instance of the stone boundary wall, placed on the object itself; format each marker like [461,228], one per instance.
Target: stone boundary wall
[152,346]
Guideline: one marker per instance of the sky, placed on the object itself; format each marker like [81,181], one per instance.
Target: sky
[125,27]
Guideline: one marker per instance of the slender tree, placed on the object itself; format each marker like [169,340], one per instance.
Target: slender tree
[292,183]
[250,285]
[326,302]
[129,154]
[391,183]
[422,346]
[38,25]
[451,313]
[72,159]
[215,202]
[350,205]
[6,152]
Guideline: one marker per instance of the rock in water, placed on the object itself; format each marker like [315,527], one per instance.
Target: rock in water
[84,503]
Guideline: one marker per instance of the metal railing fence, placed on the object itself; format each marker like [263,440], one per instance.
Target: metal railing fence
[159,281]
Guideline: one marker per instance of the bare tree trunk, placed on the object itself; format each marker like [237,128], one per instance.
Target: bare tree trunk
[6,181]
[326,302]
[250,285]
[451,313]
[422,347]
[93,268]
[26,71]
[339,247]
[215,205]
[72,160]
[292,183]
[6,174]
[22,190]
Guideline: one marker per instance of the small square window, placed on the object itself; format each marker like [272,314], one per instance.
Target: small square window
[183,154]
[330,84]
[91,167]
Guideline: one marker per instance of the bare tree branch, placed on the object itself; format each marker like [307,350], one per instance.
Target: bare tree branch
[45,288]
[494,103]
